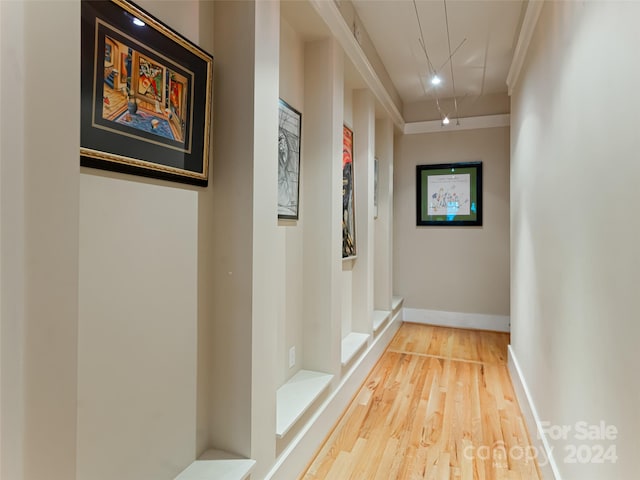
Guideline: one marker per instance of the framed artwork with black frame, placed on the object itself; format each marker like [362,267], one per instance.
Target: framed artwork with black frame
[146,94]
[289,134]
[449,194]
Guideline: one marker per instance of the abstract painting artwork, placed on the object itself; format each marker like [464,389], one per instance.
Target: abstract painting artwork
[348,203]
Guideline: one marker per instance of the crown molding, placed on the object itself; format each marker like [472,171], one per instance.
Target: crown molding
[534,7]
[468,123]
[331,15]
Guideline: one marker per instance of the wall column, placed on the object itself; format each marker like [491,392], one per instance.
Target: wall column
[39,239]
[363,152]
[244,181]
[322,146]
[383,225]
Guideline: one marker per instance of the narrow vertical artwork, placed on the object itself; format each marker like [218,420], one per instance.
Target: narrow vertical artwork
[348,206]
[289,132]
[375,187]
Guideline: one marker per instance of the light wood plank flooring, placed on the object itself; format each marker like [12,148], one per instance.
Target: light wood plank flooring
[438,405]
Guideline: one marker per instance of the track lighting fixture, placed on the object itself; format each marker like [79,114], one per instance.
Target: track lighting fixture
[432,70]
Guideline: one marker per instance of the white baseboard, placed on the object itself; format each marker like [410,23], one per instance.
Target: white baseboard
[476,321]
[296,456]
[548,467]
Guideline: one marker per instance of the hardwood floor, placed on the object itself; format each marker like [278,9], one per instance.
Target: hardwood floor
[438,405]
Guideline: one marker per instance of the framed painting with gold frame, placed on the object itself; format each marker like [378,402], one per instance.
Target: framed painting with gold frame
[146,95]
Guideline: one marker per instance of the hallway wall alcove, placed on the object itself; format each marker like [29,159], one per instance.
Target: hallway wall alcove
[307,303]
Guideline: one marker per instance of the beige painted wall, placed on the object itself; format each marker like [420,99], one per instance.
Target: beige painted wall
[383,224]
[39,230]
[233,244]
[322,149]
[12,233]
[291,231]
[453,269]
[170,290]
[265,236]
[164,304]
[575,260]
[137,330]
[347,265]
[364,133]
[246,247]
[142,378]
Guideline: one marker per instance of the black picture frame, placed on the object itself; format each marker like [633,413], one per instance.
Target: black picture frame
[289,143]
[146,95]
[449,194]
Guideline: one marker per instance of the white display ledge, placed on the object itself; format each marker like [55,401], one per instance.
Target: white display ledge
[379,318]
[396,303]
[218,465]
[296,396]
[351,344]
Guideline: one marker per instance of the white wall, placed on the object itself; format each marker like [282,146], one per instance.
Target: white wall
[453,269]
[575,260]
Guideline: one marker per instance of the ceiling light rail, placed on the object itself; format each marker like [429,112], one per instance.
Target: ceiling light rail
[453,81]
[430,67]
[436,80]
[455,50]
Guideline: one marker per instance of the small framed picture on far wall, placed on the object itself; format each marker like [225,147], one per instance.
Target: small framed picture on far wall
[449,194]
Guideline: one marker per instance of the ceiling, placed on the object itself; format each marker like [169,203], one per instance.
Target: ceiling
[482,35]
